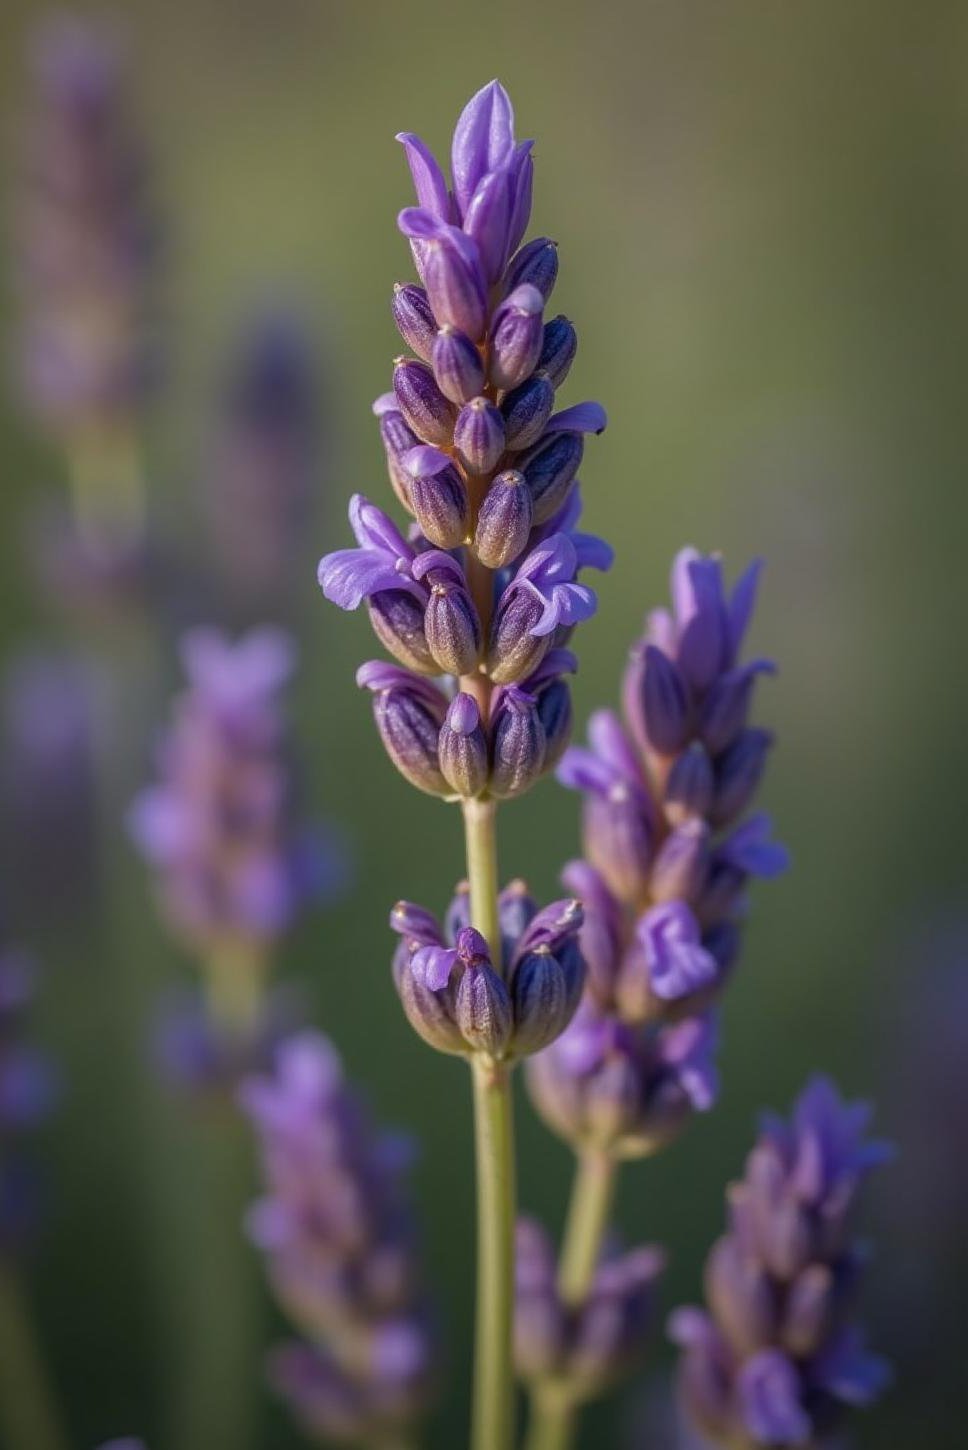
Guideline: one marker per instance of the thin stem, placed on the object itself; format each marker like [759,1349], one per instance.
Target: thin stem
[28,1414]
[480,836]
[554,1413]
[493,1414]
[591,1204]
[553,1421]
[235,974]
[107,485]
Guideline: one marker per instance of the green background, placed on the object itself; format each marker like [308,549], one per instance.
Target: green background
[761,210]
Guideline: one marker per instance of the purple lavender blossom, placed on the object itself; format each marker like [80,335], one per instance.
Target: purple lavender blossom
[460,1001]
[234,867]
[87,242]
[625,1088]
[668,855]
[260,466]
[776,1359]
[578,1353]
[486,467]
[336,1226]
[27,1086]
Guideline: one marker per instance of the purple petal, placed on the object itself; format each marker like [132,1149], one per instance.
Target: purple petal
[742,603]
[580,769]
[349,576]
[769,1395]
[580,418]
[483,139]
[428,179]
[374,530]
[431,966]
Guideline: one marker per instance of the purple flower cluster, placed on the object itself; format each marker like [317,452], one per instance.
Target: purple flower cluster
[234,867]
[87,243]
[460,1001]
[665,872]
[26,1095]
[777,1357]
[337,1229]
[580,1352]
[485,585]
[259,471]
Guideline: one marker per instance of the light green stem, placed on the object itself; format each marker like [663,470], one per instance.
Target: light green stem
[493,1416]
[107,484]
[592,1196]
[493,1409]
[28,1415]
[235,976]
[554,1412]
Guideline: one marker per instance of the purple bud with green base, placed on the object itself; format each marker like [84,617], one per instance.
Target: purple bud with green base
[409,712]
[438,496]
[423,405]
[504,520]
[457,366]
[480,436]
[536,265]
[526,410]
[517,337]
[462,747]
[414,318]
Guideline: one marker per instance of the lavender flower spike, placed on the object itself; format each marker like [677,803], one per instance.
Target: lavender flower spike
[87,242]
[776,1360]
[336,1227]
[27,1089]
[234,866]
[480,459]
[665,789]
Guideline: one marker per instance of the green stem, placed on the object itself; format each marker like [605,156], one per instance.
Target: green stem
[591,1204]
[493,1410]
[107,485]
[28,1414]
[235,975]
[554,1413]
[493,1415]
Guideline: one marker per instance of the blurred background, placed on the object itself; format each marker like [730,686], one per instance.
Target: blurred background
[761,213]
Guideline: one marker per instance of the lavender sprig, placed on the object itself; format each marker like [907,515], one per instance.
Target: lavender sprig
[337,1229]
[87,253]
[483,587]
[235,867]
[777,1358]
[668,859]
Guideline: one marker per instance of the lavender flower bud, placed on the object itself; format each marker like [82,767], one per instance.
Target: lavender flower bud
[517,334]
[526,410]
[479,436]
[438,496]
[738,773]
[398,440]
[450,267]
[741,1296]
[535,265]
[483,1009]
[550,469]
[517,744]
[542,1003]
[689,787]
[463,747]
[424,407]
[726,707]
[555,714]
[398,623]
[486,220]
[453,629]
[504,520]
[415,321]
[457,366]
[559,344]
[516,910]
[663,705]
[409,713]
[430,1013]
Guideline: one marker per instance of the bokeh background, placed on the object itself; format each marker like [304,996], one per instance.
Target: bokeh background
[761,210]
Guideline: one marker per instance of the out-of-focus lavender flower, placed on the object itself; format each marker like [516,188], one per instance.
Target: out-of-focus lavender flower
[668,856]
[485,586]
[461,1001]
[260,467]
[87,241]
[234,864]
[27,1086]
[777,1357]
[626,1088]
[198,1055]
[51,708]
[337,1229]
[577,1353]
